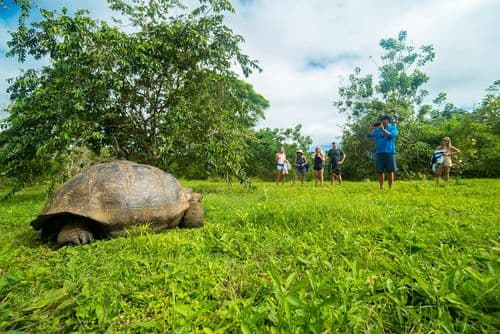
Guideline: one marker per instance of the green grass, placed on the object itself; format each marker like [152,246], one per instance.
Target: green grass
[351,259]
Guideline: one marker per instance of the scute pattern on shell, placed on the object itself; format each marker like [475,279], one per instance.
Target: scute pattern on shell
[119,194]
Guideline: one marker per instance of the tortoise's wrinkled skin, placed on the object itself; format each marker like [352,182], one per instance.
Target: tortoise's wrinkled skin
[112,199]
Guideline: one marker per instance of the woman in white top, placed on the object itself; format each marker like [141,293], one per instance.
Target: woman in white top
[445,166]
[280,165]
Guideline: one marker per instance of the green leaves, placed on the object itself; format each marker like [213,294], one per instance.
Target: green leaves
[399,92]
[399,85]
[165,94]
[265,143]
[50,299]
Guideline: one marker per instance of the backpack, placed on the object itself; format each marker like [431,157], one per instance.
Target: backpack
[437,157]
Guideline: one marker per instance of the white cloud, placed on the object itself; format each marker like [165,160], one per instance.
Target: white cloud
[287,36]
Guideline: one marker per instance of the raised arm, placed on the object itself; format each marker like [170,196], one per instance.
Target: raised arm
[390,131]
[454,150]
[371,130]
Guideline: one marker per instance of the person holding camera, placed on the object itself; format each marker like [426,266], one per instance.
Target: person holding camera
[385,135]
[336,158]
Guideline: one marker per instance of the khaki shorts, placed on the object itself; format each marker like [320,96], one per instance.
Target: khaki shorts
[447,162]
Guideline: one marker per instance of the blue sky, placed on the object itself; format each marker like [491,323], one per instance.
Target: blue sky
[306,47]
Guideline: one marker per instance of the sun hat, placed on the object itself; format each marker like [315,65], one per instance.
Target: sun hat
[299,151]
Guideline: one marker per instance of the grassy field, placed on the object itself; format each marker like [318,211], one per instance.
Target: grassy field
[351,259]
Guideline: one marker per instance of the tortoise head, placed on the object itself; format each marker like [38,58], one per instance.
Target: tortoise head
[194,215]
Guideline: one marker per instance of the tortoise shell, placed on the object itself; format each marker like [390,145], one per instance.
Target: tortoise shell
[115,197]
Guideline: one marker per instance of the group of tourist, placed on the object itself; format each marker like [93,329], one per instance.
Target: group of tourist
[384,133]
[332,160]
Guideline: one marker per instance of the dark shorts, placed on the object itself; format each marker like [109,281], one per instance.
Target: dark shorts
[334,170]
[301,171]
[385,162]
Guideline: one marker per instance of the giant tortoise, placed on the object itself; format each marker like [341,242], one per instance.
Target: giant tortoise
[112,199]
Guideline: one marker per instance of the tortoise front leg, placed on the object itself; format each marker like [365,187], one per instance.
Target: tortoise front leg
[75,233]
[194,215]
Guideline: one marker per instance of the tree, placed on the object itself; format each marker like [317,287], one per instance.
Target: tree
[489,111]
[264,145]
[400,84]
[164,94]
[479,134]
[399,92]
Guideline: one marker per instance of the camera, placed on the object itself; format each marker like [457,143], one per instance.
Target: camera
[376,124]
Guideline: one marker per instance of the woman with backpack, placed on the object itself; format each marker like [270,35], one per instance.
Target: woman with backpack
[301,164]
[447,150]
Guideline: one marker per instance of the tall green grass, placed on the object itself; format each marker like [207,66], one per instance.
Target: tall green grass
[351,259]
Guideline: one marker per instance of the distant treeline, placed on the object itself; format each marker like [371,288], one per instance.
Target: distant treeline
[166,93]
[398,91]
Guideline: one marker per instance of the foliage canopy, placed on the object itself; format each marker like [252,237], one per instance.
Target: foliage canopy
[399,91]
[164,91]
[266,142]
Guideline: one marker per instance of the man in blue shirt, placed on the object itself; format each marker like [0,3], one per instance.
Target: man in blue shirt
[385,149]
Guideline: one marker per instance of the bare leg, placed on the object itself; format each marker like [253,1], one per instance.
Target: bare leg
[390,178]
[321,176]
[437,174]
[194,215]
[446,173]
[340,179]
[279,177]
[381,180]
